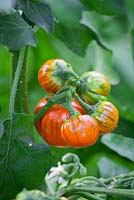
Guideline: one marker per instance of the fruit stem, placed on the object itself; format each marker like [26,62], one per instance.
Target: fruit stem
[58,98]
[16,81]
[99,190]
[19,67]
[90,109]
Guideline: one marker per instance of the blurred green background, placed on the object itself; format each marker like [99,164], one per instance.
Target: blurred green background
[90,36]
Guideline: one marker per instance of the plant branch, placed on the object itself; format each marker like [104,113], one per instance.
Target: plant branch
[15,57]
[88,196]
[16,82]
[21,101]
[55,99]
[100,190]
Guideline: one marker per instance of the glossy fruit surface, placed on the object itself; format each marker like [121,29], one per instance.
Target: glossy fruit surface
[93,86]
[107,116]
[80,131]
[38,107]
[55,74]
[76,105]
[49,126]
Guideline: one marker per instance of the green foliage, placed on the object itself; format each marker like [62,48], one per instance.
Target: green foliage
[61,181]
[13,28]
[66,12]
[120,144]
[110,166]
[73,37]
[101,61]
[132,38]
[23,163]
[105,7]
[39,13]
[91,35]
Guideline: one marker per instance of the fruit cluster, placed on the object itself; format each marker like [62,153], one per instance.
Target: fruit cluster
[77,111]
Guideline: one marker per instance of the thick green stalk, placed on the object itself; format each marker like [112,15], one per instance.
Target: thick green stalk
[55,99]
[100,190]
[90,109]
[15,85]
[20,98]
[63,97]
[15,57]
[89,196]
[12,106]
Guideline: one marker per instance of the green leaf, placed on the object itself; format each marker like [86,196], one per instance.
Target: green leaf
[106,7]
[85,31]
[129,5]
[72,37]
[67,12]
[132,38]
[1,128]
[93,21]
[15,32]
[124,146]
[39,13]
[22,162]
[122,94]
[107,165]
[101,60]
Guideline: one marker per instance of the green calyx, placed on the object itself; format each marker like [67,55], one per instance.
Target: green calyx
[65,73]
[93,87]
[88,96]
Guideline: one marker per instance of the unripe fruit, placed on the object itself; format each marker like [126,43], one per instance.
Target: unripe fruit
[55,74]
[93,87]
[107,116]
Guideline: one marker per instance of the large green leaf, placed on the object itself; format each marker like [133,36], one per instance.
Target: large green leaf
[101,60]
[107,165]
[123,94]
[106,7]
[132,38]
[15,32]
[67,12]
[124,146]
[76,39]
[94,22]
[39,13]
[129,5]
[22,162]
[70,28]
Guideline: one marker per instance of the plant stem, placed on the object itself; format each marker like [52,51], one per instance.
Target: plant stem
[16,81]
[89,196]
[15,57]
[55,99]
[88,108]
[100,190]
[20,98]
[117,192]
